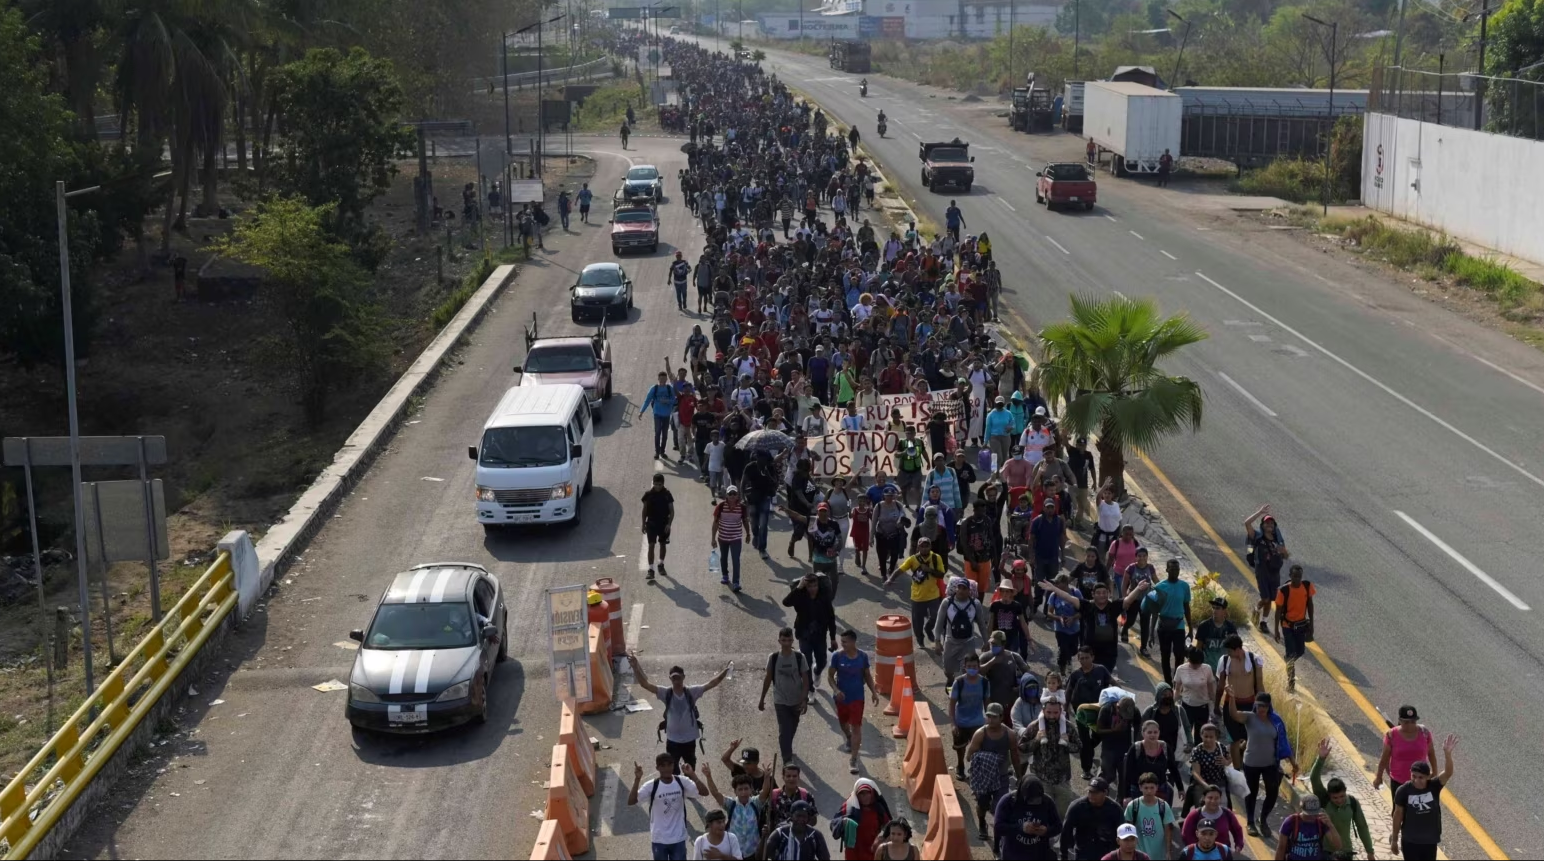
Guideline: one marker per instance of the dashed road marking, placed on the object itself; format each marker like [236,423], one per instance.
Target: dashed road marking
[1136,234]
[1007,204]
[1167,254]
[1058,245]
[1247,396]
[1462,560]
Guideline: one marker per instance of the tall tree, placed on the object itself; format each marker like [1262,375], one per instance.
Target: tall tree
[1104,363]
[332,333]
[341,118]
[1517,41]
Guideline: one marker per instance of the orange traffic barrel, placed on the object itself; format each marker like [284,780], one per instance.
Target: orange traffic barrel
[894,640]
[613,592]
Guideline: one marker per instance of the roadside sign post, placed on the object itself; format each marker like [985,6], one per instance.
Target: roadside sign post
[568,627]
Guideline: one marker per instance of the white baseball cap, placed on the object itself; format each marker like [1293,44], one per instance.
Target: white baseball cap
[1126,830]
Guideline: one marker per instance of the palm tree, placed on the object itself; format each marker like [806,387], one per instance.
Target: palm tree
[1104,363]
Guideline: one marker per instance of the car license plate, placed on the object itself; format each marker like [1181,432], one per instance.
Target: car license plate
[408,717]
[524,518]
[1073,199]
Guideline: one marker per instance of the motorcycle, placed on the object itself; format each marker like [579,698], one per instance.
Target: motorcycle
[882,128]
[863,91]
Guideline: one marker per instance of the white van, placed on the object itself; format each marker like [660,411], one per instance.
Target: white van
[536,458]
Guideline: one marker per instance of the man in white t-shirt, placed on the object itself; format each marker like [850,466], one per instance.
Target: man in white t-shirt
[1037,437]
[665,796]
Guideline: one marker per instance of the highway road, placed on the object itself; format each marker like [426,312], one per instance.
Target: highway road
[1398,443]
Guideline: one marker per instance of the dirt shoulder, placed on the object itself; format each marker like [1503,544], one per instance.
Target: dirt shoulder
[198,372]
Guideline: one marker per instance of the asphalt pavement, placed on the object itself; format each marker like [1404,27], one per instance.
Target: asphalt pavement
[1397,443]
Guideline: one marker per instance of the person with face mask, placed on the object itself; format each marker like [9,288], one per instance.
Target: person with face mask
[1025,822]
[1165,712]
[961,620]
[967,708]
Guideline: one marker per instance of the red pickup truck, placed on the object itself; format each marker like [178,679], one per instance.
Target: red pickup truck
[1066,183]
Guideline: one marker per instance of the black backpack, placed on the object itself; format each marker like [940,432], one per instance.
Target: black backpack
[962,624]
[696,717]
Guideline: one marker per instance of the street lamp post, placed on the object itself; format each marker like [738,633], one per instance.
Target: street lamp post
[60,195]
[1011,7]
[1076,32]
[509,147]
[1186,38]
[1324,191]
[541,108]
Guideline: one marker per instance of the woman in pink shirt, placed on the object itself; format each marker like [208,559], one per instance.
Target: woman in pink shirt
[1404,746]
[1123,554]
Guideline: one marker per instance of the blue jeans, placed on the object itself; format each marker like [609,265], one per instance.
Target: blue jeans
[680,294]
[729,551]
[669,851]
[661,433]
[1292,638]
[761,520]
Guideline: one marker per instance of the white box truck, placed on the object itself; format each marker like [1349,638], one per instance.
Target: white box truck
[1133,122]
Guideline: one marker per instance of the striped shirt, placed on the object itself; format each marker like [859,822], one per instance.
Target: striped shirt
[731,521]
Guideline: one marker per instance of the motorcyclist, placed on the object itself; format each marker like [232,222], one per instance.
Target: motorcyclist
[863,87]
[883,122]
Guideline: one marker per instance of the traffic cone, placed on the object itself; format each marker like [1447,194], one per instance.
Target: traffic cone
[893,708]
[903,726]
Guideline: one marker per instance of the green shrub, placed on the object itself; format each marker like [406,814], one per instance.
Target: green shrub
[1293,179]
[1494,278]
[606,108]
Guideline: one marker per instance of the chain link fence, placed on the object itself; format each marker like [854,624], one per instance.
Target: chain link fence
[1509,106]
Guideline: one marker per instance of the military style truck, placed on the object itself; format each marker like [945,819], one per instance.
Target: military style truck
[947,163]
[851,56]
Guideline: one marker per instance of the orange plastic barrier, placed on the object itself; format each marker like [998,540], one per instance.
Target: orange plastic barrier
[945,836]
[924,761]
[601,680]
[613,592]
[601,614]
[574,735]
[549,844]
[566,804]
[908,704]
[894,640]
[899,673]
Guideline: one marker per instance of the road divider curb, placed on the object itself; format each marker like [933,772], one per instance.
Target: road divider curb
[549,844]
[602,681]
[574,735]
[567,805]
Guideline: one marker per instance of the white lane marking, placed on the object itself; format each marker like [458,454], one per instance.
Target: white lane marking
[634,623]
[643,553]
[914,134]
[1007,204]
[1461,560]
[1247,396]
[437,594]
[1167,254]
[1058,245]
[610,783]
[425,668]
[1382,385]
[1136,234]
[398,671]
[1488,363]
[1110,217]
[414,585]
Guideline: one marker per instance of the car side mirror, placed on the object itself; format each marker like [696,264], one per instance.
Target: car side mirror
[1039,173]
[575,452]
[490,633]
[519,369]
[471,452]
[605,366]
[357,635]
[611,221]
[972,158]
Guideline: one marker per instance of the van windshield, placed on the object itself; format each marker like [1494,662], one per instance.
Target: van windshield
[566,359]
[524,446]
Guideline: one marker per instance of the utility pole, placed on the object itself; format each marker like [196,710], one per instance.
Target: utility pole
[1479,82]
[1012,6]
[1077,8]
[509,146]
[1324,190]
[1174,82]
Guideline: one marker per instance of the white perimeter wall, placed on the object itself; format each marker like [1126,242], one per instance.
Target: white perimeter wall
[1478,186]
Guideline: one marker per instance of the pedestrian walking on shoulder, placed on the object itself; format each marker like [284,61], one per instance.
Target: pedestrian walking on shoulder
[1173,619]
[565,205]
[788,678]
[1294,620]
[1418,808]
[1403,746]
[1343,808]
[1267,552]
[1308,833]
[585,196]
[658,514]
[1165,166]
[682,726]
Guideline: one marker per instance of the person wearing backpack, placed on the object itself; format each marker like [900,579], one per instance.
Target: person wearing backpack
[788,678]
[798,838]
[960,620]
[1206,847]
[1083,687]
[1343,808]
[910,456]
[665,795]
[1173,619]
[744,809]
[1294,620]
[780,800]
[1100,619]
[967,708]
[682,726]
[1308,834]
[1153,818]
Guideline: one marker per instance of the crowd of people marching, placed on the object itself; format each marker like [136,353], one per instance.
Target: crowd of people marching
[974,508]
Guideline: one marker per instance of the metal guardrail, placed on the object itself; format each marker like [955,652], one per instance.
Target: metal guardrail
[517,79]
[111,714]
